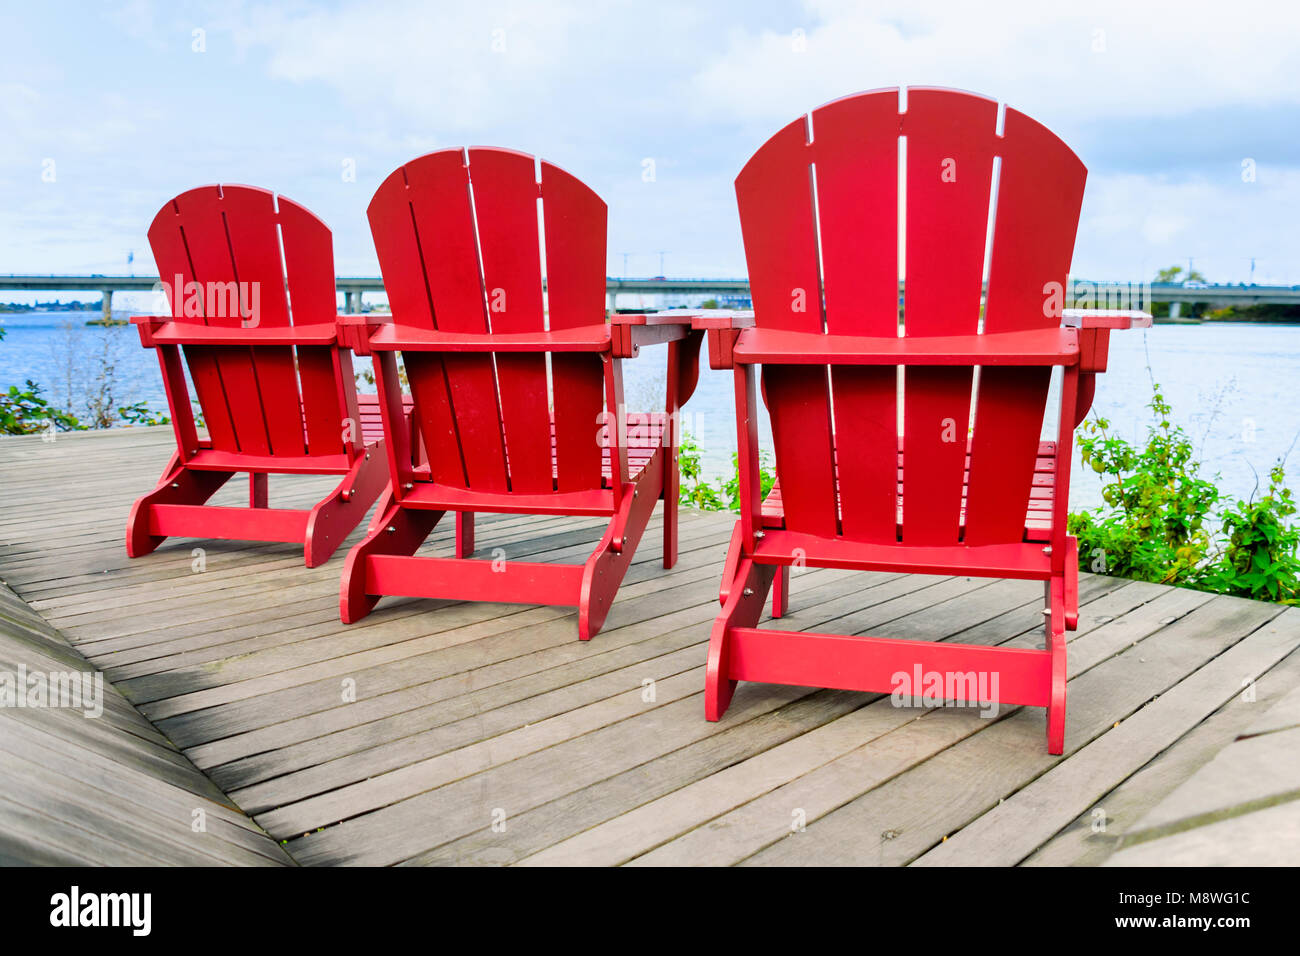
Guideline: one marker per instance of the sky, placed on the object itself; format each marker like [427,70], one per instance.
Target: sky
[1187,115]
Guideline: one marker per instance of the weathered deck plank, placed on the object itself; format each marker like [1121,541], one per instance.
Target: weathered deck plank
[81,789]
[1267,837]
[1096,834]
[1249,793]
[1010,831]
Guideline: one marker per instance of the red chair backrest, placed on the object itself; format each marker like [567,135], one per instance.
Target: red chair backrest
[246,258]
[460,250]
[819,210]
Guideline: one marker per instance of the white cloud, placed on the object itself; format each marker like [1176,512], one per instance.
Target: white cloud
[1117,59]
[461,67]
[1158,228]
[18,102]
[1133,224]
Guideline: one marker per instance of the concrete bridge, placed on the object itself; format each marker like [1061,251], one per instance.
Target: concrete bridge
[1101,293]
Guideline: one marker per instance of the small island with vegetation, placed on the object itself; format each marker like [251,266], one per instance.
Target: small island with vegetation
[76,305]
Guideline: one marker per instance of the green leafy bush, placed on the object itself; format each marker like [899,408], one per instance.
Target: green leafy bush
[1162,522]
[23,411]
[718,495]
[1258,559]
[1154,528]
[138,413]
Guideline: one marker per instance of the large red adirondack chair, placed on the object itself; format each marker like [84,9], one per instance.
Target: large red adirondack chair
[819,209]
[250,279]
[459,246]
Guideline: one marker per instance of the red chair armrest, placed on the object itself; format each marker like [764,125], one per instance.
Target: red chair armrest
[722,319]
[355,330]
[391,338]
[722,327]
[685,317]
[146,325]
[163,330]
[1027,347]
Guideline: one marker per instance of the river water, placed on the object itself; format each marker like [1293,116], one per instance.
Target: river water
[1232,386]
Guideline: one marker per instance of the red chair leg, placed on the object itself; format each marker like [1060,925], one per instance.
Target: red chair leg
[464,534]
[781,592]
[398,531]
[1055,626]
[606,567]
[178,486]
[1071,583]
[670,496]
[745,599]
[333,519]
[730,564]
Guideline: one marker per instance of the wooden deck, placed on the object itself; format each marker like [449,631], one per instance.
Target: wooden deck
[487,734]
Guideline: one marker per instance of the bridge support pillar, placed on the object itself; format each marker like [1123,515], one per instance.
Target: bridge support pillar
[1175,309]
[613,302]
[353,301]
[108,305]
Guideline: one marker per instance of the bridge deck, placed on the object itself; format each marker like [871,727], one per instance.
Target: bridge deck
[486,733]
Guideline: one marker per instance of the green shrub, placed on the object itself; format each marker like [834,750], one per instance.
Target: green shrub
[1159,519]
[138,413]
[1258,559]
[1154,528]
[24,412]
[719,495]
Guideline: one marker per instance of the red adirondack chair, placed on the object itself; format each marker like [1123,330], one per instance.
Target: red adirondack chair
[819,207]
[459,246]
[250,279]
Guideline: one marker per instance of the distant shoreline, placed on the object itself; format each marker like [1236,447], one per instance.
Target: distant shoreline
[73,306]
